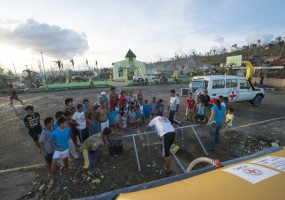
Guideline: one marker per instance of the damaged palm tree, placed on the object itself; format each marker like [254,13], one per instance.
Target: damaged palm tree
[59,64]
[30,76]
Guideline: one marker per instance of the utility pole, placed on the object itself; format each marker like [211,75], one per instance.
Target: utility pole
[15,69]
[44,67]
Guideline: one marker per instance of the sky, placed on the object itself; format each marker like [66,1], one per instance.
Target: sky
[104,31]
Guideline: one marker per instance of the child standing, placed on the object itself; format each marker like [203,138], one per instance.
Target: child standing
[45,142]
[93,124]
[146,111]
[153,108]
[59,141]
[111,117]
[201,112]
[71,144]
[132,98]
[139,115]
[160,107]
[32,123]
[124,116]
[229,120]
[133,118]
[178,102]
[126,104]
[78,118]
[117,117]
[190,107]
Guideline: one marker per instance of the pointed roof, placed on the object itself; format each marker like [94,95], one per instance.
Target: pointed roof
[130,54]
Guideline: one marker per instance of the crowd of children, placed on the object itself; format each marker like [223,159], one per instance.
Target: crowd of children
[83,127]
[90,125]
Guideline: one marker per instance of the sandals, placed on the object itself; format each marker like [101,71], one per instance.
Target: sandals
[51,183]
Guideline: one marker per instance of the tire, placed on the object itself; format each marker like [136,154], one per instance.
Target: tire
[256,102]
[204,121]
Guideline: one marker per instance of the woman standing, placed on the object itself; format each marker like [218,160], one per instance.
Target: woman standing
[216,121]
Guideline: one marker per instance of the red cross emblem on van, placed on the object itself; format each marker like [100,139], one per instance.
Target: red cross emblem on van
[232,95]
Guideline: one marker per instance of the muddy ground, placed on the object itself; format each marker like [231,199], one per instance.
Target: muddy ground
[255,129]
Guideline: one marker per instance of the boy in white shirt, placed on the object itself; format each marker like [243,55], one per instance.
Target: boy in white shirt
[79,120]
[229,120]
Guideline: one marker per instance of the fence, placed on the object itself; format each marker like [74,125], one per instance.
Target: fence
[179,130]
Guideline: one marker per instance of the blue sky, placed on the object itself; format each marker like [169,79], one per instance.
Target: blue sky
[105,30]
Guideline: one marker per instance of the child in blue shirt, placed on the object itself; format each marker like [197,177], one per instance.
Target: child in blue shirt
[146,111]
[139,115]
[59,141]
[160,107]
[111,117]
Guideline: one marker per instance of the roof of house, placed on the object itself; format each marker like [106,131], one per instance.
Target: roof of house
[130,54]
[280,61]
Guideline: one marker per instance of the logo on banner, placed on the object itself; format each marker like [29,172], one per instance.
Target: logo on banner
[252,171]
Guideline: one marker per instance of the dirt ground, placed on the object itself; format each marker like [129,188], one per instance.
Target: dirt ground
[255,129]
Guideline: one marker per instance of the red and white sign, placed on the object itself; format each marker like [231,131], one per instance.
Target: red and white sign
[251,173]
[233,95]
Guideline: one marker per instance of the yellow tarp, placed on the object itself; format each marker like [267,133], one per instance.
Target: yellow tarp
[221,185]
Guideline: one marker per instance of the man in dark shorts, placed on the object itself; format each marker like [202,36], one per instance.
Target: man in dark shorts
[13,95]
[173,108]
[44,141]
[166,131]
[32,123]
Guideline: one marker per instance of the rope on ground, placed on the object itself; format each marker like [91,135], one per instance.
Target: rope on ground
[21,168]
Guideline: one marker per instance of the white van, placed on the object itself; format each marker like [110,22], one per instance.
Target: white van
[232,88]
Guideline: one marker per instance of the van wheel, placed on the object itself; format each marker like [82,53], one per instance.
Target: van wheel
[257,101]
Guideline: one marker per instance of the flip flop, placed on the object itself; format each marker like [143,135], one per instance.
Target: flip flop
[51,184]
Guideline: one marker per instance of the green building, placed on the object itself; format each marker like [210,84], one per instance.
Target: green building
[126,69]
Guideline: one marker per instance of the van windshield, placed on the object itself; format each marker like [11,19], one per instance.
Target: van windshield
[197,85]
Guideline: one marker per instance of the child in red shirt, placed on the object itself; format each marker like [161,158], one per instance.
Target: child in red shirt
[190,107]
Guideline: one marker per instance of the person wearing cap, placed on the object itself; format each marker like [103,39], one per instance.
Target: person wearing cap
[113,97]
[92,148]
[216,121]
[103,94]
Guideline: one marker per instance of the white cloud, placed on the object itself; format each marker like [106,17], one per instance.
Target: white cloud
[264,38]
[53,40]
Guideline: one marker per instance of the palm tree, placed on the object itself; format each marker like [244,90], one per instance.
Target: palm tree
[59,64]
[30,75]
[72,63]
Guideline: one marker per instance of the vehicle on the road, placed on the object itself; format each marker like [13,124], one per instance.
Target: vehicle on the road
[232,88]
[161,79]
[138,80]
[149,76]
